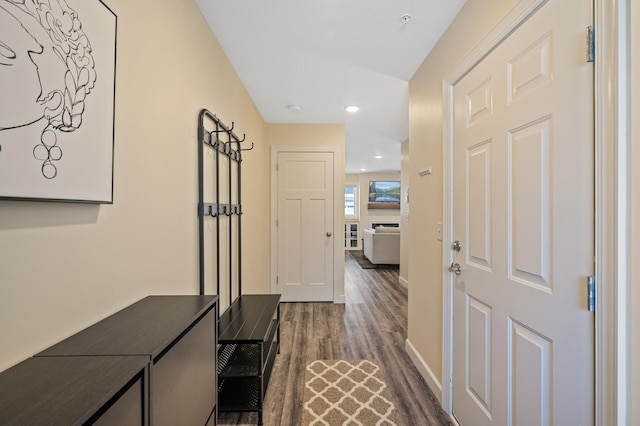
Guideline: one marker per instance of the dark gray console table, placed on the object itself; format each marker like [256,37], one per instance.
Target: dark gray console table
[249,341]
[159,352]
[75,390]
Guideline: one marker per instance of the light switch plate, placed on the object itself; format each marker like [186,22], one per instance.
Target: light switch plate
[439,231]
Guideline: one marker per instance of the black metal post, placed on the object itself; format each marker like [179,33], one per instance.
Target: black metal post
[239,201]
[229,153]
[201,198]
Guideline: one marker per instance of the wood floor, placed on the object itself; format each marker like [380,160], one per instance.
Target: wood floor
[371,325]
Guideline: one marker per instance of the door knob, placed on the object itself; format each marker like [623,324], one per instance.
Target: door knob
[455,268]
[329,234]
[457,245]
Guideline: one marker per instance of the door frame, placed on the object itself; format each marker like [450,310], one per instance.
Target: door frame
[338,215]
[612,179]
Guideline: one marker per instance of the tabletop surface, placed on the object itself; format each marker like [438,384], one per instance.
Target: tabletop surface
[145,328]
[56,391]
[248,319]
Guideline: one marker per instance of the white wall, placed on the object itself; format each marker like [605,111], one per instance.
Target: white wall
[66,266]
[634,262]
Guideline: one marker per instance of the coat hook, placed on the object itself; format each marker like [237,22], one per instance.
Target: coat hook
[248,149]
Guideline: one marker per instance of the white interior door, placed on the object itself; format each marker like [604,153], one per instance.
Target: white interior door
[523,211]
[305,226]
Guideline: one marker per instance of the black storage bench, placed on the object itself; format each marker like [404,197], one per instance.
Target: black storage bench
[249,339]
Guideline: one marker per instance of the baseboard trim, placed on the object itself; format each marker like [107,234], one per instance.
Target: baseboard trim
[424,370]
[404,282]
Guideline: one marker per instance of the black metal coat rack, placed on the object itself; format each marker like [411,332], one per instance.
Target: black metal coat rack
[226,145]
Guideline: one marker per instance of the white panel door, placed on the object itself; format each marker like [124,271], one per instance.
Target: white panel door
[305,226]
[523,212]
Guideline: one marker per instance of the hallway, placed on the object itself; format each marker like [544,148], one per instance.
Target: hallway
[371,325]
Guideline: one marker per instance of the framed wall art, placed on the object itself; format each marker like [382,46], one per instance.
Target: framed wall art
[57,98]
[384,194]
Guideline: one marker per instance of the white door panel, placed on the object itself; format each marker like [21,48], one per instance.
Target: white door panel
[529,252]
[530,372]
[305,216]
[523,210]
[478,238]
[478,377]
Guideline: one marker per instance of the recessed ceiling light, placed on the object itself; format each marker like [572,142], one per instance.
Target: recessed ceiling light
[294,107]
[405,18]
[378,157]
[363,170]
[352,108]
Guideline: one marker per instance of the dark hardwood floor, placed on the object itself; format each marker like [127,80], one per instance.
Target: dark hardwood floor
[371,325]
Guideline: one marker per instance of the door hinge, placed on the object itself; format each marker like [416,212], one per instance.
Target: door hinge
[277,167]
[276,223]
[591,44]
[591,293]
[277,280]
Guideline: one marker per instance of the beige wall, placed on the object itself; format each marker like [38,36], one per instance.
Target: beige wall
[367,216]
[375,215]
[320,135]
[474,21]
[354,180]
[404,214]
[65,266]
[308,135]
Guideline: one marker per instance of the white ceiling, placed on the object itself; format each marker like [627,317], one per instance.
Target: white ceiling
[323,55]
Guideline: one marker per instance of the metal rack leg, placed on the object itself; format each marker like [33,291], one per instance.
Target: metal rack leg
[262,389]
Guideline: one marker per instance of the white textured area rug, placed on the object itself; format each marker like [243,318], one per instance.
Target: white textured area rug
[347,392]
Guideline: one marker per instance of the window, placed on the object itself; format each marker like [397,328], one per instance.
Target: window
[350,201]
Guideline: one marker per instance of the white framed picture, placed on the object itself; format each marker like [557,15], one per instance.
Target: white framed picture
[57,99]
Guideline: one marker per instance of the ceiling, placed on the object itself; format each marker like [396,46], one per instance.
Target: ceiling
[303,61]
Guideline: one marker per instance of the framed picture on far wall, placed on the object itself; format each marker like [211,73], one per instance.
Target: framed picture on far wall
[384,194]
[57,79]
